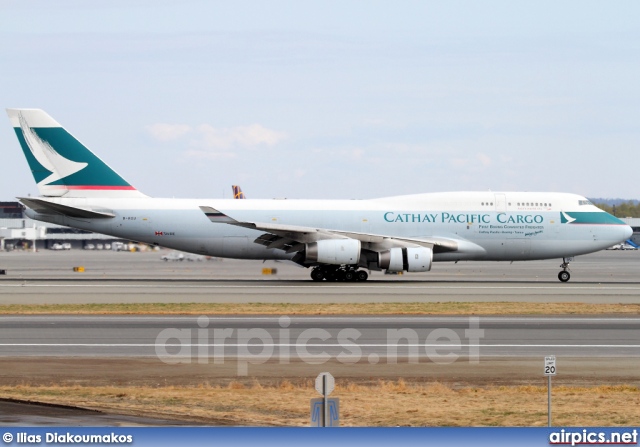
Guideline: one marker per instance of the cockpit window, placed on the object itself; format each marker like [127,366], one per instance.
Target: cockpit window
[584,202]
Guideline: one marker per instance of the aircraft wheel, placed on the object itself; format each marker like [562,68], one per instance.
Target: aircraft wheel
[349,275]
[332,276]
[564,276]
[317,275]
[361,275]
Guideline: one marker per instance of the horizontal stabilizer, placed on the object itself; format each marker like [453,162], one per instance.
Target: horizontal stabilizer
[43,206]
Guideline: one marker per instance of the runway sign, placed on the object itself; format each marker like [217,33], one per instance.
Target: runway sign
[550,365]
[317,413]
[330,383]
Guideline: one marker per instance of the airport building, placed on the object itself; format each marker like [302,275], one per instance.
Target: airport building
[18,231]
[634,223]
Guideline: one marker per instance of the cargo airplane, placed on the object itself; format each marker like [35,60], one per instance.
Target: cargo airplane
[337,239]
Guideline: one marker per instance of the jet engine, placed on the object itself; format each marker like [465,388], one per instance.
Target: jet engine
[411,259]
[334,251]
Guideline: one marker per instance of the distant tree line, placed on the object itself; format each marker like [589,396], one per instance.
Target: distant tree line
[610,201]
[624,209]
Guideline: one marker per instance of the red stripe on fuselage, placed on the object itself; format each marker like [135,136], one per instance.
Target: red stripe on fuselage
[93,187]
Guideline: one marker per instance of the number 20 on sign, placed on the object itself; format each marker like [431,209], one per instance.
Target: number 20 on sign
[550,365]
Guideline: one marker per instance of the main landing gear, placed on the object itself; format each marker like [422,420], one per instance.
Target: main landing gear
[564,275]
[338,273]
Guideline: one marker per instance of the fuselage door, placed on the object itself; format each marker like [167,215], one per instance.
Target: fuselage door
[501,203]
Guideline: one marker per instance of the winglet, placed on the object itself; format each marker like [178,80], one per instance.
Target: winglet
[216,216]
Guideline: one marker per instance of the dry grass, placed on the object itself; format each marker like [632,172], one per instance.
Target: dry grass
[448,308]
[387,403]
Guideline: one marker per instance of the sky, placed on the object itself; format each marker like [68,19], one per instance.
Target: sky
[332,99]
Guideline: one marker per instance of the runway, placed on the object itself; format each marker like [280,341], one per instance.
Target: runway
[110,277]
[155,350]
[348,339]
[47,292]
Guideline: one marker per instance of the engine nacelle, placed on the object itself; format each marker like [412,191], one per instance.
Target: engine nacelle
[391,260]
[419,259]
[411,259]
[334,251]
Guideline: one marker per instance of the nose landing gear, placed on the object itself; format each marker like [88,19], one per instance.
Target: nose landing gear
[564,275]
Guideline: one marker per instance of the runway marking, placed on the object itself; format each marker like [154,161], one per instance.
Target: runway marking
[602,287]
[254,345]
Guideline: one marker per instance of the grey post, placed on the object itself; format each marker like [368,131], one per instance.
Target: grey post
[325,402]
[549,400]
[324,386]
[549,370]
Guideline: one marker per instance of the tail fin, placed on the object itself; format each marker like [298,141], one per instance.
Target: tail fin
[61,165]
[237,192]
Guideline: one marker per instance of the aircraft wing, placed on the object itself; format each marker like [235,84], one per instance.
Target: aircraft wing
[292,238]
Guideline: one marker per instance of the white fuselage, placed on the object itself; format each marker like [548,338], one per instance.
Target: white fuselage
[485,225]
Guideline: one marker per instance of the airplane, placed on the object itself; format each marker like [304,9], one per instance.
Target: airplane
[237,192]
[336,239]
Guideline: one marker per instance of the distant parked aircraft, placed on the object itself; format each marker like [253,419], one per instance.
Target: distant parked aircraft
[237,192]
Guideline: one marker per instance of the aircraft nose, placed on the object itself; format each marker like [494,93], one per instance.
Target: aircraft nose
[627,232]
